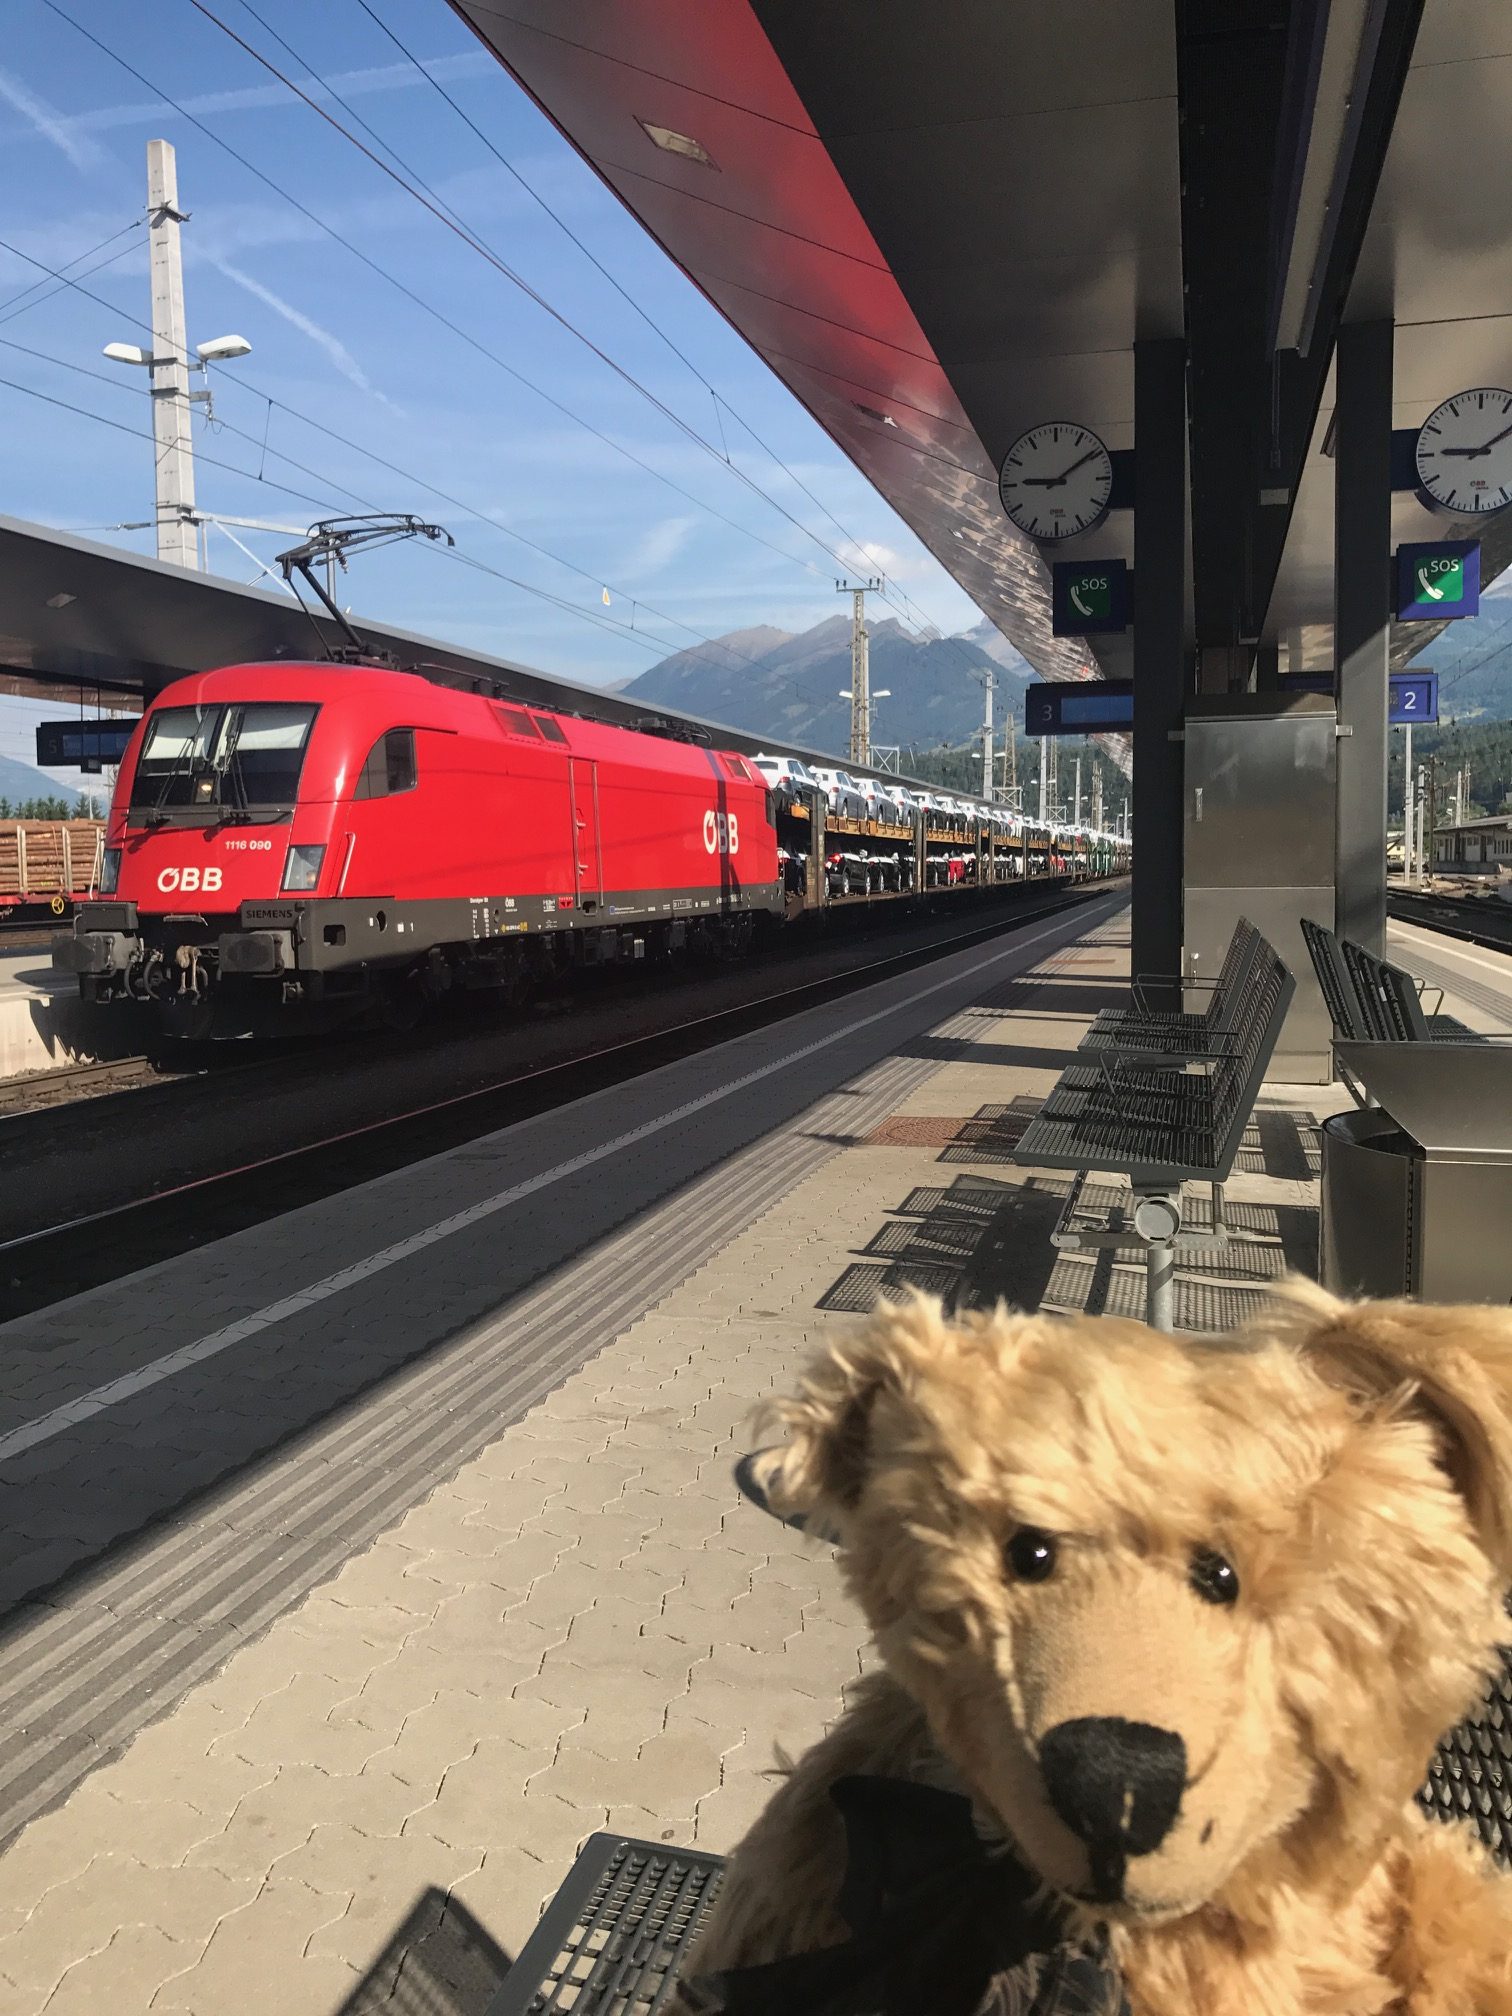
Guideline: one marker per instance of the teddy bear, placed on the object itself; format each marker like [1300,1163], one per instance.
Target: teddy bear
[1169,1628]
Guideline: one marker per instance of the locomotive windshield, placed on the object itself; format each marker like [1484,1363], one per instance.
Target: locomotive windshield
[225,760]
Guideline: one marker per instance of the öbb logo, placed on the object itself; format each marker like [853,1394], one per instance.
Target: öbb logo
[189,881]
[721,831]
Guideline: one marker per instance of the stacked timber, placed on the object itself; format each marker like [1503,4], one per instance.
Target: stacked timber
[49,857]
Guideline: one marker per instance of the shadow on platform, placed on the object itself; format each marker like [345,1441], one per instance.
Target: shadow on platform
[438,1962]
[979,1240]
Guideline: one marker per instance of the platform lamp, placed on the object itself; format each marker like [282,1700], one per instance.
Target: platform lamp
[172,398]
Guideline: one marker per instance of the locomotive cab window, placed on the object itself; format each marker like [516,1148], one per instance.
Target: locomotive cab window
[222,760]
[548,728]
[390,768]
[515,721]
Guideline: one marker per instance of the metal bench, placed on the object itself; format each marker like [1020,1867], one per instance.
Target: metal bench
[1371,1001]
[1393,1004]
[1160,1129]
[612,1939]
[1142,1030]
[1335,983]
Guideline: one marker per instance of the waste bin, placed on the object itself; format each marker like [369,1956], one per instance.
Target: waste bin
[1417,1190]
[1368,1182]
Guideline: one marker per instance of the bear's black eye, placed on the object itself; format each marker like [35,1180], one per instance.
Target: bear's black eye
[1213,1578]
[1031,1554]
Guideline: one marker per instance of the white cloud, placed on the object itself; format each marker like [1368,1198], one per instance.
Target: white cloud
[332,344]
[258,97]
[42,118]
[657,548]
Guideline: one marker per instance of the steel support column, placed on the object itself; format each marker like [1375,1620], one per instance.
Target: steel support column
[1362,625]
[1160,491]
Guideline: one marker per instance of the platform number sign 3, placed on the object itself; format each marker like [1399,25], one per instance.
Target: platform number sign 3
[1056,480]
[1464,452]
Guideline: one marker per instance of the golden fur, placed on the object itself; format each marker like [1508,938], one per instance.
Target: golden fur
[1354,1464]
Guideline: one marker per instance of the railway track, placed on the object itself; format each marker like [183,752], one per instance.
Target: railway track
[39,1090]
[46,1264]
[1475,922]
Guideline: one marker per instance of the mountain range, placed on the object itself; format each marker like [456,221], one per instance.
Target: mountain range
[789,687]
[20,783]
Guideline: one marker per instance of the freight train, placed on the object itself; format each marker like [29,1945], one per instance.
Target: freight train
[347,837]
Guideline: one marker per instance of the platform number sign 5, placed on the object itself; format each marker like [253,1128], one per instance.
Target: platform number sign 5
[721,832]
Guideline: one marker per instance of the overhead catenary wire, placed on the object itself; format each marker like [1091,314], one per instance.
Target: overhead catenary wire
[420,301]
[421,193]
[329,506]
[18,304]
[429,307]
[721,404]
[644,638]
[726,651]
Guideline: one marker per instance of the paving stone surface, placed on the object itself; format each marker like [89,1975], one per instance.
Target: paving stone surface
[582,1627]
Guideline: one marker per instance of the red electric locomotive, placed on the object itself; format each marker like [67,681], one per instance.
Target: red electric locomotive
[322,834]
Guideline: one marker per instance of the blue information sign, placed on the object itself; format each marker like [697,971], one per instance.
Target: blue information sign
[1438,581]
[82,745]
[1414,699]
[1079,707]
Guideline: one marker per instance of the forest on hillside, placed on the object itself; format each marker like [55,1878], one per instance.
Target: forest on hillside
[956,769]
[1485,746]
[51,808]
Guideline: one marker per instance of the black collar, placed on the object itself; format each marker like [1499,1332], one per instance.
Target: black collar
[941,1925]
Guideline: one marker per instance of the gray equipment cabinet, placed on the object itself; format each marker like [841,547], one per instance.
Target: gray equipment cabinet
[1417,1189]
[1259,843]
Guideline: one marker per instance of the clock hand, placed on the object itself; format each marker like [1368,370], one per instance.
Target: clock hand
[1485,447]
[1055,482]
[1091,456]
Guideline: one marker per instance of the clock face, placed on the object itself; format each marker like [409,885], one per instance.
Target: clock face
[1056,480]
[1464,452]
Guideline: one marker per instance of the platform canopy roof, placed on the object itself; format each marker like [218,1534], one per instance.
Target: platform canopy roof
[941,225]
[93,628]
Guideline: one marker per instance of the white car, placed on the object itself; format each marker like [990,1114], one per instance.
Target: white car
[844,798]
[874,795]
[899,803]
[786,777]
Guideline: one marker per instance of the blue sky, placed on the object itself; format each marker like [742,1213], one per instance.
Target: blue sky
[332,340]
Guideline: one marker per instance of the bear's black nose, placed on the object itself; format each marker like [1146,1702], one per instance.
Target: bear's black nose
[1117,1785]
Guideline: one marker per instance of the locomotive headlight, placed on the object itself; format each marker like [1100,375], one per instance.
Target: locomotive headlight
[302,867]
[110,871]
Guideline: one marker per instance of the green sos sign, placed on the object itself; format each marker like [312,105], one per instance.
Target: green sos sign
[1438,581]
[1089,598]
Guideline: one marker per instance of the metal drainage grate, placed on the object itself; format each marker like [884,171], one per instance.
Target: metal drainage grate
[612,1939]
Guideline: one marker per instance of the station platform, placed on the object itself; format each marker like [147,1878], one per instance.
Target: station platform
[365,1562]
[44,1024]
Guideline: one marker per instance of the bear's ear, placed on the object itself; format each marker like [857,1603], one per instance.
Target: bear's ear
[1450,1362]
[822,1470]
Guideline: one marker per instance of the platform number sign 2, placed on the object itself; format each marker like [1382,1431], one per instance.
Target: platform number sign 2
[1413,699]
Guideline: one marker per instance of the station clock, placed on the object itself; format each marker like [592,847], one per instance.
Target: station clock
[1056,480]
[1464,453]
